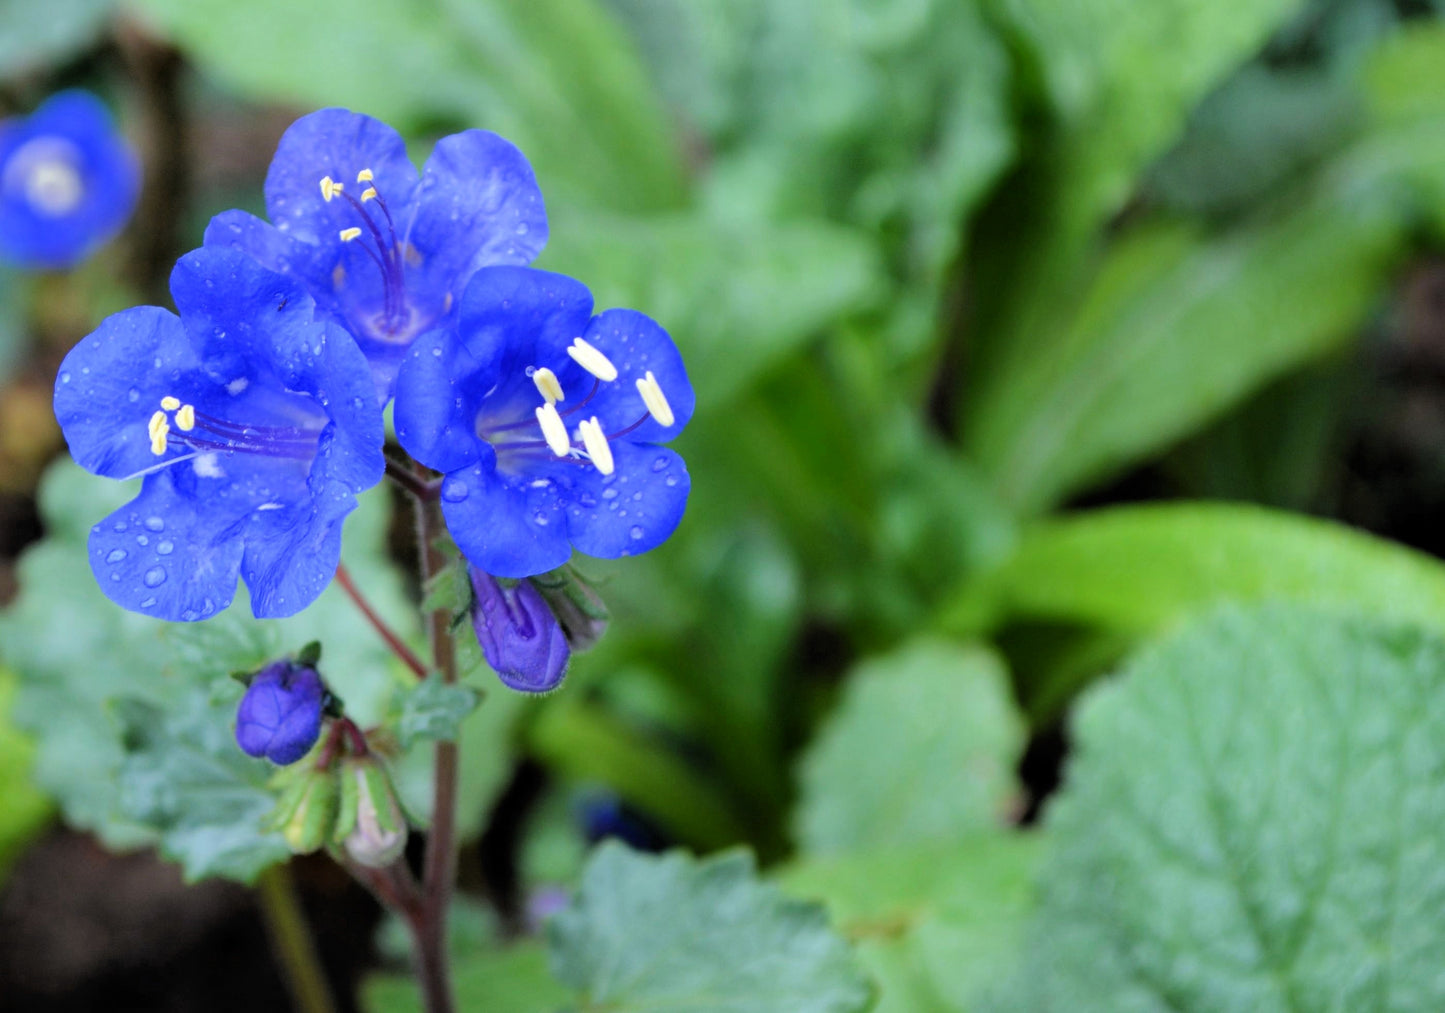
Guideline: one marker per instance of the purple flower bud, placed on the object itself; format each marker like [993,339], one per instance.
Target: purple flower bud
[521,638]
[280,715]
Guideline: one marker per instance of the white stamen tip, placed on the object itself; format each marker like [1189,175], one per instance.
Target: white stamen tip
[186,418]
[347,235]
[597,446]
[554,431]
[364,176]
[329,188]
[159,429]
[655,399]
[590,359]
[548,385]
[169,403]
[368,194]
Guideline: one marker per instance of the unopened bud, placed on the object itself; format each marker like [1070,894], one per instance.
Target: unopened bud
[307,809]
[521,638]
[369,824]
[577,607]
[280,715]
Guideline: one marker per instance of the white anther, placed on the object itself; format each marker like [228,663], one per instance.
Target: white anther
[159,429]
[548,385]
[169,403]
[597,446]
[590,359]
[347,235]
[329,188]
[554,430]
[655,399]
[368,194]
[364,176]
[186,418]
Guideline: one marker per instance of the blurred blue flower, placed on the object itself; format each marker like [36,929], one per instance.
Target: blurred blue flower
[68,182]
[546,421]
[254,424]
[521,639]
[280,715]
[385,252]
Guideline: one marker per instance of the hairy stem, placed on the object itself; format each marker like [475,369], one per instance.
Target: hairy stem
[393,641]
[440,868]
[420,488]
[291,941]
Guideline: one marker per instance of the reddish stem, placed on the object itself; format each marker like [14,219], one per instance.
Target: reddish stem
[397,645]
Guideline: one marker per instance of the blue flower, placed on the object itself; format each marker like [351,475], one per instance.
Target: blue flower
[383,251]
[521,639]
[255,425]
[546,421]
[67,182]
[280,715]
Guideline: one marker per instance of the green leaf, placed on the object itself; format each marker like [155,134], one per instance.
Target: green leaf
[931,923]
[1138,568]
[737,298]
[922,747]
[34,34]
[555,77]
[434,710]
[23,810]
[1251,820]
[514,980]
[184,776]
[670,933]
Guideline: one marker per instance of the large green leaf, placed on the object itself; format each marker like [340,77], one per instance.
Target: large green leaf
[932,924]
[922,748]
[33,34]
[556,77]
[669,933]
[1135,569]
[1253,819]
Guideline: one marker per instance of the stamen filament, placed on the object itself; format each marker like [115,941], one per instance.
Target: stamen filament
[596,386]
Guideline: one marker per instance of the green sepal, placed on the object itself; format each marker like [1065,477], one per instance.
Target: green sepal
[314,815]
[350,799]
[310,655]
[578,608]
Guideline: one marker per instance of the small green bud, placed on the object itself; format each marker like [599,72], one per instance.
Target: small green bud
[307,809]
[369,823]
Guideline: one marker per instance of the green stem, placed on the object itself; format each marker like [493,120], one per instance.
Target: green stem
[291,941]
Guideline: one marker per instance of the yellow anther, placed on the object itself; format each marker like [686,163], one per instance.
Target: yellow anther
[159,429]
[590,359]
[368,194]
[347,235]
[364,176]
[655,399]
[597,446]
[186,418]
[548,385]
[554,431]
[329,188]
[169,403]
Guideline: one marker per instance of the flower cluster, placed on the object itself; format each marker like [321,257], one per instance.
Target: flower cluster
[67,182]
[254,416]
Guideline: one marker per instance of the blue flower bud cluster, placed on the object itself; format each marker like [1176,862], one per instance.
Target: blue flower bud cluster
[253,414]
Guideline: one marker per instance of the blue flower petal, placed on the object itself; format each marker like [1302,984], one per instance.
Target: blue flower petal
[113,380]
[272,249]
[291,555]
[478,204]
[166,554]
[508,313]
[336,143]
[507,527]
[434,421]
[634,509]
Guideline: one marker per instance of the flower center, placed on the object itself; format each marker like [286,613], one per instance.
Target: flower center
[45,172]
[181,425]
[587,443]
[385,250]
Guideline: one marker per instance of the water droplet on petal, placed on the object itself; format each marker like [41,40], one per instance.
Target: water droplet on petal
[189,615]
[115,556]
[671,480]
[65,376]
[155,576]
[609,493]
[587,499]
[454,490]
[659,464]
[155,524]
[636,532]
[133,395]
[540,518]
[148,601]
[142,540]
[119,526]
[165,548]
[437,352]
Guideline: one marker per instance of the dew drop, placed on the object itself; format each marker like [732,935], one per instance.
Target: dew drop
[165,548]
[454,490]
[636,532]
[148,601]
[671,480]
[587,499]
[207,607]
[115,576]
[540,518]
[155,524]
[142,540]
[120,526]
[65,376]
[522,229]
[190,615]
[636,496]
[133,395]
[115,556]
[437,352]
[155,576]
[609,493]
[659,464]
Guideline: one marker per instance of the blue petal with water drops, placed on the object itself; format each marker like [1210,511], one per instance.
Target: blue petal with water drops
[386,252]
[68,182]
[472,401]
[254,424]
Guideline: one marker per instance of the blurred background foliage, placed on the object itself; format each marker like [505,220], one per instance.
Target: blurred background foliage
[961,285]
